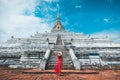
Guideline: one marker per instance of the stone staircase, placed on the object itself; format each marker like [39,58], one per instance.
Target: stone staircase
[67,61]
[59,40]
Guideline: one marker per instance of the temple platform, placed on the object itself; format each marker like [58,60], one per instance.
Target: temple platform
[35,74]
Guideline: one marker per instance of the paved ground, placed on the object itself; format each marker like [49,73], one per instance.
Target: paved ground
[24,74]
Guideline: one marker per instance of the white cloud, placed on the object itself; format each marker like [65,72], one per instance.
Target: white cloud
[51,1]
[106,19]
[112,34]
[78,6]
[13,20]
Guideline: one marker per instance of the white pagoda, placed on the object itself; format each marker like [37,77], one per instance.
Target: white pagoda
[79,51]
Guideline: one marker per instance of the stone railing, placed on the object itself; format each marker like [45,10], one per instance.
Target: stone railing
[56,40]
[75,60]
[62,41]
[45,59]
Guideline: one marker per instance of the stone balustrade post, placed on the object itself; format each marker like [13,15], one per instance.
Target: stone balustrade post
[75,60]
[45,59]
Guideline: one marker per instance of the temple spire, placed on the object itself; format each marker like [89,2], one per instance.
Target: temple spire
[58,9]
[58,25]
[58,16]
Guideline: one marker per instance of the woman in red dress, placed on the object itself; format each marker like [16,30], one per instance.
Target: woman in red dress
[59,63]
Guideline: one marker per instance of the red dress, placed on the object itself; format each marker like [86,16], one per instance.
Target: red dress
[58,65]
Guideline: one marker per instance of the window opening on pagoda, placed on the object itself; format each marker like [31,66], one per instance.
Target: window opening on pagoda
[58,27]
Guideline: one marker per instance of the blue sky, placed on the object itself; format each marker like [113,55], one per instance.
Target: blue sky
[23,18]
[86,16]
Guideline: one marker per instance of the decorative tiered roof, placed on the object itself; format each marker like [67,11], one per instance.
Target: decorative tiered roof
[58,25]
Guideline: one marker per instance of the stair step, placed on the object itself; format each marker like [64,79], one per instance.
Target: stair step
[67,61]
